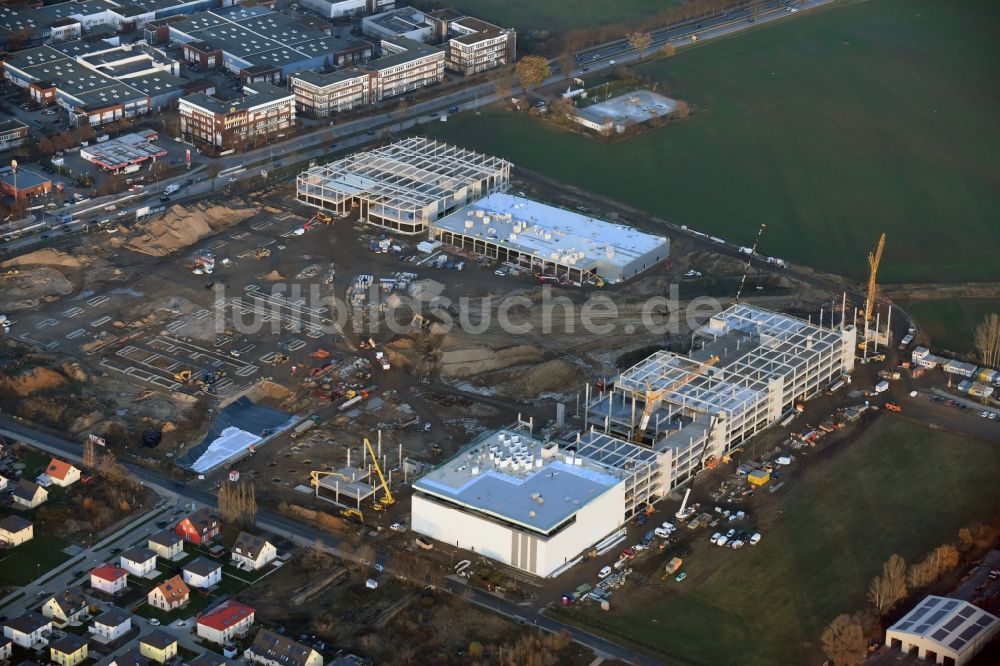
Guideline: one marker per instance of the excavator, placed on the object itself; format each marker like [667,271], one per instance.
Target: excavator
[184,376]
[655,396]
[262,253]
[278,359]
[324,218]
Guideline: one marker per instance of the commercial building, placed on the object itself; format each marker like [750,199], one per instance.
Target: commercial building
[405,65]
[749,368]
[347,8]
[544,239]
[406,185]
[22,184]
[472,45]
[12,133]
[943,631]
[265,111]
[621,112]
[126,150]
[265,44]
[520,501]
[401,22]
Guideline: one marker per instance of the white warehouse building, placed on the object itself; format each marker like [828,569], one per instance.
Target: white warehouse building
[523,502]
[552,241]
[749,369]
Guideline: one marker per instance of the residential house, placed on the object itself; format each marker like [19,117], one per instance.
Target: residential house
[253,552]
[112,624]
[208,659]
[168,595]
[132,657]
[6,648]
[15,530]
[67,607]
[200,527]
[28,630]
[272,649]
[4,482]
[226,621]
[138,561]
[109,579]
[59,473]
[203,573]
[158,646]
[29,494]
[167,544]
[69,650]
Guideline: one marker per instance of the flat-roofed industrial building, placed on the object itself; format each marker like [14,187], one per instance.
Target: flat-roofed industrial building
[547,240]
[405,185]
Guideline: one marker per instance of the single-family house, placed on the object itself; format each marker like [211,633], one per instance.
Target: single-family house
[132,657]
[28,630]
[15,530]
[158,646]
[199,527]
[112,624]
[66,607]
[272,649]
[226,621]
[168,595]
[166,544]
[208,659]
[253,552]
[59,473]
[202,572]
[138,561]
[109,579]
[69,650]
[29,494]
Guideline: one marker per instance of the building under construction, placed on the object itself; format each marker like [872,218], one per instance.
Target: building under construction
[749,368]
[405,185]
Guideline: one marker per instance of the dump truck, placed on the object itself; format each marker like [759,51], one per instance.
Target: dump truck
[305,426]
[674,565]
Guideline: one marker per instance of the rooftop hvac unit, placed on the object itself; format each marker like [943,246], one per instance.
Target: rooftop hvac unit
[475,470]
[479,213]
[469,224]
[515,439]
[548,236]
[538,462]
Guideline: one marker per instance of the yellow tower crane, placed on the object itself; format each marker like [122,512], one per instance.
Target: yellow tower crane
[655,396]
[387,499]
[874,259]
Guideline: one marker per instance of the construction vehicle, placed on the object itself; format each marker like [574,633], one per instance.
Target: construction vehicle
[387,499]
[320,354]
[893,407]
[305,426]
[278,359]
[874,259]
[598,281]
[324,218]
[262,253]
[353,513]
[654,397]
[184,376]
[878,357]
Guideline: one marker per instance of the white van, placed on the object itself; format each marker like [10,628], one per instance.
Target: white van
[604,572]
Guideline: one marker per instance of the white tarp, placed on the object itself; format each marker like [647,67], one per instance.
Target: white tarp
[231,442]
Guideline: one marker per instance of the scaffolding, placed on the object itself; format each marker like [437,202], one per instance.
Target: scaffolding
[405,185]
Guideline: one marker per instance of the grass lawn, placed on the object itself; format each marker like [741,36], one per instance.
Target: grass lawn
[196,603]
[555,15]
[22,564]
[899,488]
[830,127]
[950,323]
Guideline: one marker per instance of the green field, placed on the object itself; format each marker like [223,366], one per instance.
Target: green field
[824,537]
[950,323]
[555,15]
[829,127]
[22,564]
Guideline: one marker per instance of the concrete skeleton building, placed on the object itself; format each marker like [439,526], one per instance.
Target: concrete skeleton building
[406,185]
[943,631]
[552,241]
[749,368]
[520,501]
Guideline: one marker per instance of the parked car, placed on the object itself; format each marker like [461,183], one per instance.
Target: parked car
[604,572]
[681,576]
[755,539]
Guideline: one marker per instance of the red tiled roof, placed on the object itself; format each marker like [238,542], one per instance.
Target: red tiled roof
[58,469]
[109,572]
[226,615]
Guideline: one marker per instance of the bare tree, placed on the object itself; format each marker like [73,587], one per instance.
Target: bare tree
[502,87]
[640,41]
[567,63]
[987,340]
[238,504]
[531,71]
[889,588]
[844,641]
[667,50]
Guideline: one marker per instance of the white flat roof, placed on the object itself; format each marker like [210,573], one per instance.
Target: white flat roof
[518,483]
[553,233]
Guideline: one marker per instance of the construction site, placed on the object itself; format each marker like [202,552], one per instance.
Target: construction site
[336,343]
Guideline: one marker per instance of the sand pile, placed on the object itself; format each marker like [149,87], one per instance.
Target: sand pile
[183,226]
[26,289]
[31,382]
[46,257]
